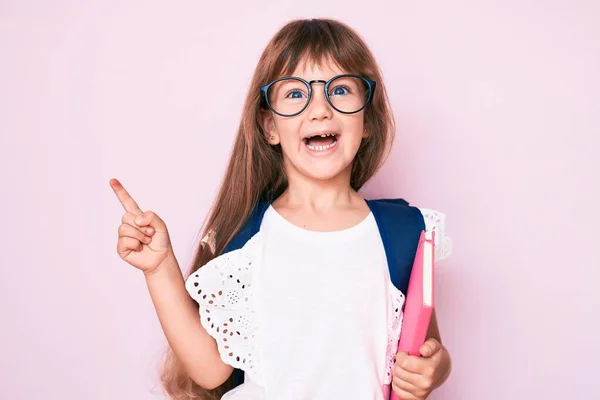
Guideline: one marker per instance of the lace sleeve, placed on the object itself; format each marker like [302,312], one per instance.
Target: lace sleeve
[395,316]
[223,290]
[209,240]
[435,220]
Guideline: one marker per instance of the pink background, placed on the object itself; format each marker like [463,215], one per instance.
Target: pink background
[497,105]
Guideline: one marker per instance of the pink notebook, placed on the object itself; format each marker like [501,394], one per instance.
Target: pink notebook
[419,299]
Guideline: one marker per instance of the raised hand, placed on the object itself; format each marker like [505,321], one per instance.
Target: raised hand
[143,237]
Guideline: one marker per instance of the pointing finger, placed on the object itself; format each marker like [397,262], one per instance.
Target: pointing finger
[125,198]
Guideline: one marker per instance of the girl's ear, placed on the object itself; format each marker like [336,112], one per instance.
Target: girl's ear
[268,125]
[365,133]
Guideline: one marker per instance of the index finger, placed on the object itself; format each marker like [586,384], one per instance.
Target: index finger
[410,363]
[125,198]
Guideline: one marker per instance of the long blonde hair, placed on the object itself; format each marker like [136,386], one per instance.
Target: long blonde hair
[255,170]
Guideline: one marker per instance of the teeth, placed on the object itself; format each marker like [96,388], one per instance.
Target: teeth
[323,136]
[321,148]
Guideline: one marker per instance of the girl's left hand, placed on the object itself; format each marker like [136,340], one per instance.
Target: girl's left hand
[416,377]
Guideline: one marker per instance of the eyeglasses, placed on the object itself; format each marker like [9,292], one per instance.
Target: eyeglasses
[289,96]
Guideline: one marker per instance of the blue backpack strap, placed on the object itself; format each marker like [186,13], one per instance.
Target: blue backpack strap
[400,227]
[249,229]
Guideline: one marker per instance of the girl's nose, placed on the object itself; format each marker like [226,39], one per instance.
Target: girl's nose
[319,108]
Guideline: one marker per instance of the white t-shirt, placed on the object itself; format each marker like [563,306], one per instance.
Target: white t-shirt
[306,314]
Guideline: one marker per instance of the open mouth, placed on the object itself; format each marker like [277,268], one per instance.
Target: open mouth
[321,142]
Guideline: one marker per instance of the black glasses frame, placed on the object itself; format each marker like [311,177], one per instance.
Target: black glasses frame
[265,89]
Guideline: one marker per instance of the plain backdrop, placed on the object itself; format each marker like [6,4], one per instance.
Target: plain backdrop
[497,106]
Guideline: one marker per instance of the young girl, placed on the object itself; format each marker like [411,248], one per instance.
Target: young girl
[294,298]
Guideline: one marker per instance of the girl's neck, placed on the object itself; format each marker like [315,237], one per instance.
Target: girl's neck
[309,193]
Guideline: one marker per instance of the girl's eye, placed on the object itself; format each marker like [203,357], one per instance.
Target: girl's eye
[295,94]
[340,90]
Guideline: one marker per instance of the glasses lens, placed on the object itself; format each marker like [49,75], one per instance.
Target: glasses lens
[348,93]
[288,96]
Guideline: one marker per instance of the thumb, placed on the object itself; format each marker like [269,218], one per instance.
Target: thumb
[430,347]
[150,218]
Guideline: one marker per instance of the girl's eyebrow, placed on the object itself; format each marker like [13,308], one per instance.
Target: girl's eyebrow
[326,78]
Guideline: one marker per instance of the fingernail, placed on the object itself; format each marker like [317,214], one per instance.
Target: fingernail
[148,230]
[138,220]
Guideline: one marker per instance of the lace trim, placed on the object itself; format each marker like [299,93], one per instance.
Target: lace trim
[435,221]
[395,316]
[223,290]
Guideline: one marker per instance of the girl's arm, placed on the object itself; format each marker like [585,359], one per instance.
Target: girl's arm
[180,321]
[434,330]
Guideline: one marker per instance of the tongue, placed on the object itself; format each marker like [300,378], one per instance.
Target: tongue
[320,141]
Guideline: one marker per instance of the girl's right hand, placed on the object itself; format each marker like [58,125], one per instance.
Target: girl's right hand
[143,237]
